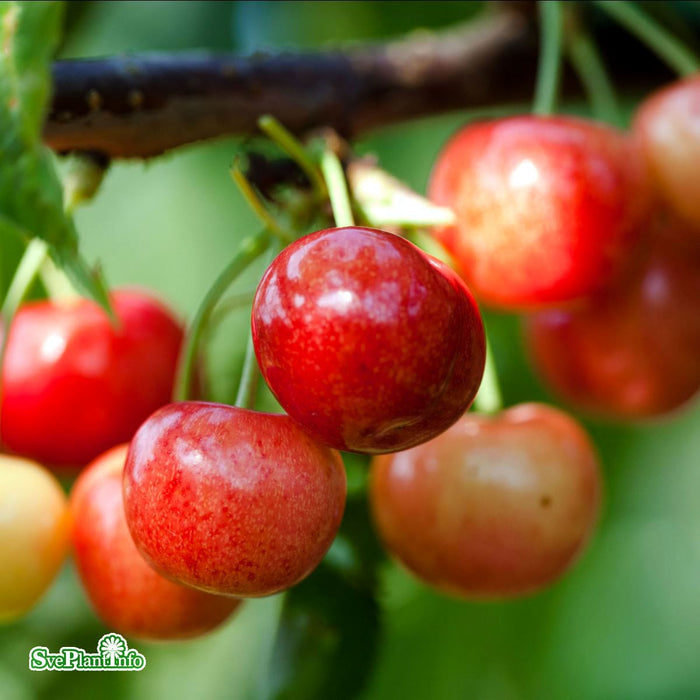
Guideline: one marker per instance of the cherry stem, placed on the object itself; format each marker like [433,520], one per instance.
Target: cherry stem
[231,303]
[248,384]
[590,68]
[489,398]
[337,189]
[256,204]
[666,46]
[295,150]
[250,248]
[56,282]
[250,372]
[34,256]
[548,69]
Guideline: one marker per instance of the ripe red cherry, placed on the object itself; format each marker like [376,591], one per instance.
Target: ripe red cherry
[548,208]
[371,345]
[495,506]
[126,593]
[231,501]
[635,350]
[668,124]
[74,385]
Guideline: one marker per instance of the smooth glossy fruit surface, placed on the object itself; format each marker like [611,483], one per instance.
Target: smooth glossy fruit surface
[125,592]
[548,208]
[34,526]
[74,385]
[229,500]
[635,350]
[495,506]
[668,124]
[365,341]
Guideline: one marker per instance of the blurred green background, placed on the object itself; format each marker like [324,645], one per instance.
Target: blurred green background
[624,624]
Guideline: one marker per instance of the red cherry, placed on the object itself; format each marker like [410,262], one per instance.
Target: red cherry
[495,506]
[635,350]
[231,501]
[74,385]
[126,593]
[668,125]
[548,208]
[368,343]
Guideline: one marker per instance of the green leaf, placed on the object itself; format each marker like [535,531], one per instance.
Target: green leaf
[330,627]
[31,195]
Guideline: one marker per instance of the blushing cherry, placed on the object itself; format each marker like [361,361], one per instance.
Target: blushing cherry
[229,500]
[495,506]
[126,593]
[635,350]
[668,124]
[34,524]
[367,342]
[548,208]
[74,385]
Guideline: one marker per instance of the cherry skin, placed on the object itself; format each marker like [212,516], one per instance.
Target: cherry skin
[74,385]
[495,506]
[370,344]
[229,500]
[633,352]
[668,125]
[34,524]
[548,208]
[126,593]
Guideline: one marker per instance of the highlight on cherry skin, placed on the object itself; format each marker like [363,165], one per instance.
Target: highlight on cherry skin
[89,384]
[231,501]
[548,209]
[125,592]
[496,506]
[368,343]
[668,126]
[34,525]
[633,352]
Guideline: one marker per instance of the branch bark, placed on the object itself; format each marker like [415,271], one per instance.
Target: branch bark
[141,106]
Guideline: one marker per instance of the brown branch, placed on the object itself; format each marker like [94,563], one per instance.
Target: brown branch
[142,106]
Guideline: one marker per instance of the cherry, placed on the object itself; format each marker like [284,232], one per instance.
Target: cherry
[548,208]
[633,351]
[370,344]
[126,593]
[495,506]
[229,500]
[74,385]
[668,125]
[34,525]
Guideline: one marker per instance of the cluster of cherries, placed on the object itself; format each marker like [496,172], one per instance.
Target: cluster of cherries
[370,345]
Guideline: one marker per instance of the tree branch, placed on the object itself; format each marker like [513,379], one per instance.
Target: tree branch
[141,106]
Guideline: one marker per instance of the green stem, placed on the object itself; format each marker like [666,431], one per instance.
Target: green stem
[34,255]
[230,304]
[549,66]
[588,64]
[489,398]
[258,207]
[295,150]
[249,249]
[250,372]
[666,46]
[248,384]
[337,188]
[56,282]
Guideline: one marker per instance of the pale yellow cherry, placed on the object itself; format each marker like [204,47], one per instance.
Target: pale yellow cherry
[34,526]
